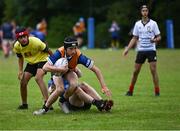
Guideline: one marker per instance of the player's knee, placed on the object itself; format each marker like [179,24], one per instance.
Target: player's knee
[59,90]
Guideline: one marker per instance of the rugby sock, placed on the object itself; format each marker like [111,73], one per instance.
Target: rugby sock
[46,108]
[62,99]
[156,89]
[131,88]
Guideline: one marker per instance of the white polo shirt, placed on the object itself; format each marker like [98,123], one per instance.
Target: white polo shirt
[145,33]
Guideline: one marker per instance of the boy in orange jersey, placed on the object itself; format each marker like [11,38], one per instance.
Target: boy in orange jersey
[74,57]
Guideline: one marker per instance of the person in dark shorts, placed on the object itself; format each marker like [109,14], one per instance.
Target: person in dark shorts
[146,35]
[34,52]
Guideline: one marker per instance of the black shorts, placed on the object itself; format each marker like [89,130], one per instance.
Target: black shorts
[32,68]
[143,55]
[86,106]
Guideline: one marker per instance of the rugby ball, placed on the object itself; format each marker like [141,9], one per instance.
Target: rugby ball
[60,63]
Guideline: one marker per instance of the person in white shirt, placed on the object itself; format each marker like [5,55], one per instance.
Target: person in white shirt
[146,35]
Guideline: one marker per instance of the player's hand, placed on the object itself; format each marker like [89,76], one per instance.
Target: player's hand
[20,75]
[106,91]
[125,52]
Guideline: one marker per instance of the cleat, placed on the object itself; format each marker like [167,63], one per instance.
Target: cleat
[129,93]
[40,112]
[23,107]
[64,107]
[108,105]
[157,94]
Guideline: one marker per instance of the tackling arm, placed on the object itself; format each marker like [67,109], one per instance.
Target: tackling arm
[50,68]
[99,75]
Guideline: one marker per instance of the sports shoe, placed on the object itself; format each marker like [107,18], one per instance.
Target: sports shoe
[64,107]
[23,107]
[40,112]
[108,105]
[157,94]
[129,93]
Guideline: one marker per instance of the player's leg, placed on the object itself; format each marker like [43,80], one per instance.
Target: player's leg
[5,46]
[153,67]
[76,101]
[140,59]
[100,104]
[39,80]
[72,78]
[58,81]
[23,89]
[90,90]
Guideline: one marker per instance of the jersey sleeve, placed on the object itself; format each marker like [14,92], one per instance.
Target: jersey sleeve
[87,62]
[156,29]
[16,49]
[53,58]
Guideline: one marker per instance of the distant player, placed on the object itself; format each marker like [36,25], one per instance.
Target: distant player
[146,35]
[34,52]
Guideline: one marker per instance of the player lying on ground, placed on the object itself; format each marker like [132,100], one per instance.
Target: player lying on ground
[83,98]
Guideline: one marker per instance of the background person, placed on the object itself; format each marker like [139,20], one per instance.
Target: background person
[7,37]
[146,35]
[114,32]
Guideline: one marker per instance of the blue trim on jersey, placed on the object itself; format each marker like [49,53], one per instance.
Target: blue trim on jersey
[53,58]
[84,60]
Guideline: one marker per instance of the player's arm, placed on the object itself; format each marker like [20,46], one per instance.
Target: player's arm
[48,67]
[156,39]
[100,77]
[132,42]
[48,50]
[90,64]
[20,65]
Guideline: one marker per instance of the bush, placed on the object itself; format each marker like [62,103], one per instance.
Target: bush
[59,28]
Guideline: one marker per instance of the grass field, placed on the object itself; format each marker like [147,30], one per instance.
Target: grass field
[143,111]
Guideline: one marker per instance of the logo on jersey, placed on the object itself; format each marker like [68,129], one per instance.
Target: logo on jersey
[149,29]
[88,62]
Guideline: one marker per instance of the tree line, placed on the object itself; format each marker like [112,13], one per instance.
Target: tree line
[61,15]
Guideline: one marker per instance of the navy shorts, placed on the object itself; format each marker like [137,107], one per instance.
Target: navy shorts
[32,68]
[143,55]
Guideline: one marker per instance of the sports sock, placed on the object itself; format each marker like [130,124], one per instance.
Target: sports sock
[62,99]
[131,88]
[46,108]
[156,89]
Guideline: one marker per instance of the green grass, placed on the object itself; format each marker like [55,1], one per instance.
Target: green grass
[142,111]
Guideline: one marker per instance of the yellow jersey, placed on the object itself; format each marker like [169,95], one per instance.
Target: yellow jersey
[33,52]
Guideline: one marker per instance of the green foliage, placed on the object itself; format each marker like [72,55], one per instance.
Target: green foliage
[102,35]
[143,111]
[59,28]
[125,12]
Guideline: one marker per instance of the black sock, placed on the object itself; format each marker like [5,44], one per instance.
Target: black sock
[46,108]
[62,99]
